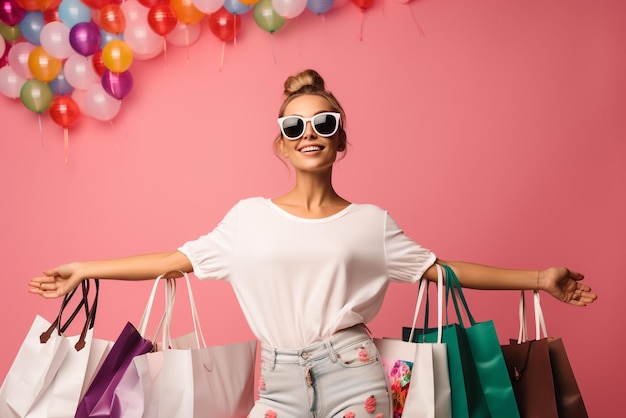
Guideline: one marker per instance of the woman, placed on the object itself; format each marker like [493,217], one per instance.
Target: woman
[309,269]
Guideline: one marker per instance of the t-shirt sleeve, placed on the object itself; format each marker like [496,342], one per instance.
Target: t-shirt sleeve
[211,255]
[406,260]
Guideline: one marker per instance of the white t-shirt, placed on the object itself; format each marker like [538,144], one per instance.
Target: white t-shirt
[300,280]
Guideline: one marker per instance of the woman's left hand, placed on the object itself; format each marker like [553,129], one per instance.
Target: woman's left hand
[566,286]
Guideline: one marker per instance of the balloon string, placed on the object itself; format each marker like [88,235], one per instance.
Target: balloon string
[235,31]
[222,55]
[362,24]
[417,25]
[66,141]
[165,53]
[40,130]
[273,50]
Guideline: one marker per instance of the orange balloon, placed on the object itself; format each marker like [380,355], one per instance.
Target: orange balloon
[117,56]
[48,4]
[112,18]
[186,12]
[30,5]
[44,66]
[249,2]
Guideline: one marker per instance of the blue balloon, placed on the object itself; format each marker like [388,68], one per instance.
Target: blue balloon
[31,26]
[236,7]
[106,37]
[319,6]
[60,85]
[72,12]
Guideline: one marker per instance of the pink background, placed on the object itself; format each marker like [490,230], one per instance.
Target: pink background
[498,137]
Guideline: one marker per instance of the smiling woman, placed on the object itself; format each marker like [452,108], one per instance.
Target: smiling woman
[310,269]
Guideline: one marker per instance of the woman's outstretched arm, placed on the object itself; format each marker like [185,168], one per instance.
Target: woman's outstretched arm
[60,280]
[563,284]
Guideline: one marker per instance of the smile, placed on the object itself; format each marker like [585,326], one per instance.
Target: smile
[312,148]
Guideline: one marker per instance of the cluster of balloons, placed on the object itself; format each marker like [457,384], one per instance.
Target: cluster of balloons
[72,57]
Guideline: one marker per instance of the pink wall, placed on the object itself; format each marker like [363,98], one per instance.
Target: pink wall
[497,137]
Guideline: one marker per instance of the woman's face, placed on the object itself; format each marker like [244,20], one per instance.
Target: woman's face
[310,152]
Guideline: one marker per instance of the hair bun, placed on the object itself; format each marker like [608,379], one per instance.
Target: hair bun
[305,81]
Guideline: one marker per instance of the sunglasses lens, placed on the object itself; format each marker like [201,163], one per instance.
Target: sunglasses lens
[325,124]
[293,127]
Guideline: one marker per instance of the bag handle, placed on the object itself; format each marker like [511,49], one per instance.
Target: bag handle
[455,291]
[540,324]
[164,326]
[424,288]
[90,315]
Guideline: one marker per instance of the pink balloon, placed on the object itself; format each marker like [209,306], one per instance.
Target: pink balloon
[55,39]
[18,59]
[134,12]
[79,72]
[144,43]
[3,47]
[10,83]
[99,105]
[184,34]
[79,97]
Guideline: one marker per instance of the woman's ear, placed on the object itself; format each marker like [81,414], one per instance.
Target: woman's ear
[283,149]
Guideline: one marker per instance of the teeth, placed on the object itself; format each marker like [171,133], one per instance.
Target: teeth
[311,148]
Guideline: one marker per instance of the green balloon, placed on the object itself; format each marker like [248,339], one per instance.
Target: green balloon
[266,17]
[36,95]
[10,33]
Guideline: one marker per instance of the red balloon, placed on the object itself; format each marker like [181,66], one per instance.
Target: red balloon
[97,63]
[51,15]
[30,5]
[64,111]
[363,4]
[162,19]
[48,4]
[99,4]
[150,3]
[224,24]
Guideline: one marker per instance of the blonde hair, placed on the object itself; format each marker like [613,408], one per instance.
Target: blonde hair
[309,82]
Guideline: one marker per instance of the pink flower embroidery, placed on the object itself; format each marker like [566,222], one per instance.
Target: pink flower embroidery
[349,414]
[364,356]
[261,383]
[370,404]
[270,414]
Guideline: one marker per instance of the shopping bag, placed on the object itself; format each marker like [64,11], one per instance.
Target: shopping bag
[418,373]
[541,374]
[186,378]
[487,355]
[97,401]
[38,362]
[61,397]
[467,398]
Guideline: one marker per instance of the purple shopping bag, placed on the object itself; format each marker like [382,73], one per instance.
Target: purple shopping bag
[98,400]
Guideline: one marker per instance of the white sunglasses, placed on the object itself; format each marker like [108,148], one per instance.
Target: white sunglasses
[324,124]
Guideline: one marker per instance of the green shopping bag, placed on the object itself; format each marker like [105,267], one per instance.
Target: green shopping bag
[467,398]
[487,355]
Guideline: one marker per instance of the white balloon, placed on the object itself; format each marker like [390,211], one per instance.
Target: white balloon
[55,39]
[10,82]
[99,105]
[183,34]
[3,46]
[288,9]
[208,6]
[142,40]
[79,72]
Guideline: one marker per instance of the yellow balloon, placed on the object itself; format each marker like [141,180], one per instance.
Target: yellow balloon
[249,2]
[44,66]
[117,56]
[186,12]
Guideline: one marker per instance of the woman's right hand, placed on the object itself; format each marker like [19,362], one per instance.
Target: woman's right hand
[57,281]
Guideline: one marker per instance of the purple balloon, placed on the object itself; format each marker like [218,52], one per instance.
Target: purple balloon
[11,13]
[85,38]
[117,85]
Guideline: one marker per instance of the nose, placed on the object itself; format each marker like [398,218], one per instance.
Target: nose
[309,132]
